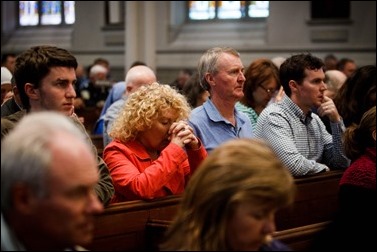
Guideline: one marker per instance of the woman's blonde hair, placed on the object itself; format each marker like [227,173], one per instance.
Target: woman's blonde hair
[144,106]
[240,170]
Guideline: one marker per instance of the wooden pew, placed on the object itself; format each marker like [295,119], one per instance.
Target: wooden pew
[90,114]
[316,201]
[139,225]
[298,238]
[122,226]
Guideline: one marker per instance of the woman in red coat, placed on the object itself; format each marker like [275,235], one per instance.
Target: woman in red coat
[154,151]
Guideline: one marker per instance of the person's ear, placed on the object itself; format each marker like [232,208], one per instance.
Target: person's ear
[374,135]
[293,86]
[24,199]
[31,91]
[128,90]
[15,90]
[210,80]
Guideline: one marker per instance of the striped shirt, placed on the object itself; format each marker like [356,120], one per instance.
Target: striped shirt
[250,112]
[301,141]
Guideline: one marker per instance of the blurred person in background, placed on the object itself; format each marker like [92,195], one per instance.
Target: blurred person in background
[48,175]
[231,200]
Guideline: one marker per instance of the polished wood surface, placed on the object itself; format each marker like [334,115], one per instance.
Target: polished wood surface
[140,225]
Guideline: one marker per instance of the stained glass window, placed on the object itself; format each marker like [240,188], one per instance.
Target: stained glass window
[201,10]
[51,13]
[207,10]
[29,14]
[34,13]
[69,12]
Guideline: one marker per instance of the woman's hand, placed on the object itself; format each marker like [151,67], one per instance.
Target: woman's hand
[183,135]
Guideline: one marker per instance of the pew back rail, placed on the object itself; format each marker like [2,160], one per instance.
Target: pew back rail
[139,225]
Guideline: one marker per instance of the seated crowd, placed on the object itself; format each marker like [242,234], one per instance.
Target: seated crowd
[232,148]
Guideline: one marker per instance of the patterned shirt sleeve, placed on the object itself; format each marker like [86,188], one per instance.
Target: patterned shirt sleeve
[279,133]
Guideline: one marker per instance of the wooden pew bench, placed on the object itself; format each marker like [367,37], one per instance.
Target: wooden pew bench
[316,201]
[90,115]
[298,238]
[139,225]
[122,226]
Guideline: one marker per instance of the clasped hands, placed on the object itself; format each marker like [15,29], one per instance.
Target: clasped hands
[183,135]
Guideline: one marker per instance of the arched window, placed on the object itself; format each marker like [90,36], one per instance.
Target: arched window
[218,10]
[39,13]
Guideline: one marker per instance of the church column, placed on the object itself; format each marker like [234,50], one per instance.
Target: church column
[140,33]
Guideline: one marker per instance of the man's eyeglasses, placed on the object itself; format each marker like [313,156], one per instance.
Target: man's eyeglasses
[269,91]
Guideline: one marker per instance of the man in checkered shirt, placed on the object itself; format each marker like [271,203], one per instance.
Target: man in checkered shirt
[297,135]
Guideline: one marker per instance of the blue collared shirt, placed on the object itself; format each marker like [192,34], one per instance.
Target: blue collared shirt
[213,129]
[301,141]
[109,118]
[116,93]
